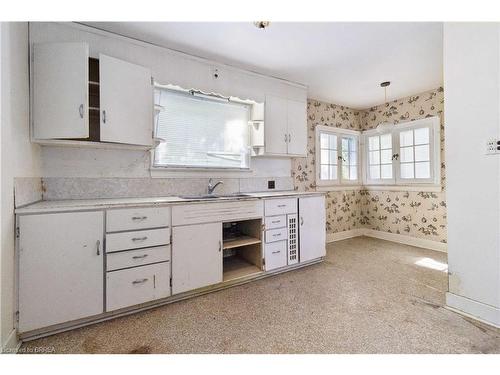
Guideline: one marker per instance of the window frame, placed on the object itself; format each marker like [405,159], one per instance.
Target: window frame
[434,126]
[176,168]
[339,133]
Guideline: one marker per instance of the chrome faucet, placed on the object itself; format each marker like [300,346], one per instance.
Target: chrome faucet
[211,187]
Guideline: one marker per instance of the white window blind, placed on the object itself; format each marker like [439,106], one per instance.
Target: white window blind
[201,131]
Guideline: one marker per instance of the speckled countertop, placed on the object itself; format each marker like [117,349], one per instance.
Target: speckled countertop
[92,204]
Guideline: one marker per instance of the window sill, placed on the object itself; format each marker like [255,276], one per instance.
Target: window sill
[423,188]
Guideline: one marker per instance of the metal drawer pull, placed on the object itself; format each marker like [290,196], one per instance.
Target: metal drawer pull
[140,238]
[103,116]
[80,110]
[139,217]
[276,221]
[98,247]
[141,281]
[276,252]
[276,234]
[281,205]
[140,256]
[301,220]
[220,246]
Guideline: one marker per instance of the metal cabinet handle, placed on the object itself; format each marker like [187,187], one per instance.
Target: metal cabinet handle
[139,281]
[277,235]
[289,138]
[276,252]
[220,246]
[276,221]
[281,205]
[139,218]
[301,220]
[80,110]
[140,238]
[103,116]
[140,256]
[98,247]
[285,138]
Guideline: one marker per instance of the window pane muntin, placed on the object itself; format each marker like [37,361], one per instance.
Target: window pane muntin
[422,153]
[407,170]
[423,170]
[422,136]
[328,156]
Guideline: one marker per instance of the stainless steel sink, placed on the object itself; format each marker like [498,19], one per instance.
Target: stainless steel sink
[214,196]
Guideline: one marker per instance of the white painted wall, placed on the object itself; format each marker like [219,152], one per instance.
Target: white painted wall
[19,158]
[472,104]
[167,66]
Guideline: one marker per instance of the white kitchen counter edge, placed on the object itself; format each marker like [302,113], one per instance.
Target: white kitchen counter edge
[47,206]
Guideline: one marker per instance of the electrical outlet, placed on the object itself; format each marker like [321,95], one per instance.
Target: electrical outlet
[493,147]
[271,184]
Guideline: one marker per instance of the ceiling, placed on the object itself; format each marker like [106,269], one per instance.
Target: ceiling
[341,63]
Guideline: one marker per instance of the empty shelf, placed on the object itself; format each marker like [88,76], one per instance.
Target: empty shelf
[235,267]
[240,241]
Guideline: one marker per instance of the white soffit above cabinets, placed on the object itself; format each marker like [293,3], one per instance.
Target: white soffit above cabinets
[342,63]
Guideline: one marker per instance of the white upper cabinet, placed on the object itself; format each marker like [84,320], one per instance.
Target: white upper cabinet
[297,127]
[76,97]
[60,90]
[126,102]
[285,127]
[275,125]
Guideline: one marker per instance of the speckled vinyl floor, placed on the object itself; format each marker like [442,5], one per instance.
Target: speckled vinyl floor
[369,296]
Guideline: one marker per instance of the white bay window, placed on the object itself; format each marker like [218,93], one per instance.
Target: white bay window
[407,154]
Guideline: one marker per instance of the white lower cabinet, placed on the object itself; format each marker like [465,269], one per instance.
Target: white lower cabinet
[196,256]
[137,285]
[276,255]
[312,232]
[60,268]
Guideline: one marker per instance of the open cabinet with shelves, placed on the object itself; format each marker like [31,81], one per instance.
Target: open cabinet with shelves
[242,247]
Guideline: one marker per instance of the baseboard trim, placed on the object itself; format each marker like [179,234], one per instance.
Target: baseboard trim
[12,344]
[473,309]
[393,237]
[332,237]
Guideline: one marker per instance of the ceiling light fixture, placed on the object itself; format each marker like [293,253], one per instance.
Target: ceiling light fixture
[261,24]
[385,126]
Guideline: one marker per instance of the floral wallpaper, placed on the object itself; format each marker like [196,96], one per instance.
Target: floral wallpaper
[343,208]
[417,214]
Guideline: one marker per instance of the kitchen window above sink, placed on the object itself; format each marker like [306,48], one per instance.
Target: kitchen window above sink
[200,130]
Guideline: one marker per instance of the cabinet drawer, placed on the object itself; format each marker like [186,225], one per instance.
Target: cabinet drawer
[276,235]
[275,255]
[137,285]
[133,258]
[137,218]
[137,239]
[280,206]
[273,222]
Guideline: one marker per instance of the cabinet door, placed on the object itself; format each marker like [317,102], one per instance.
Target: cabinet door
[275,125]
[60,90]
[196,256]
[126,101]
[312,218]
[297,128]
[60,268]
